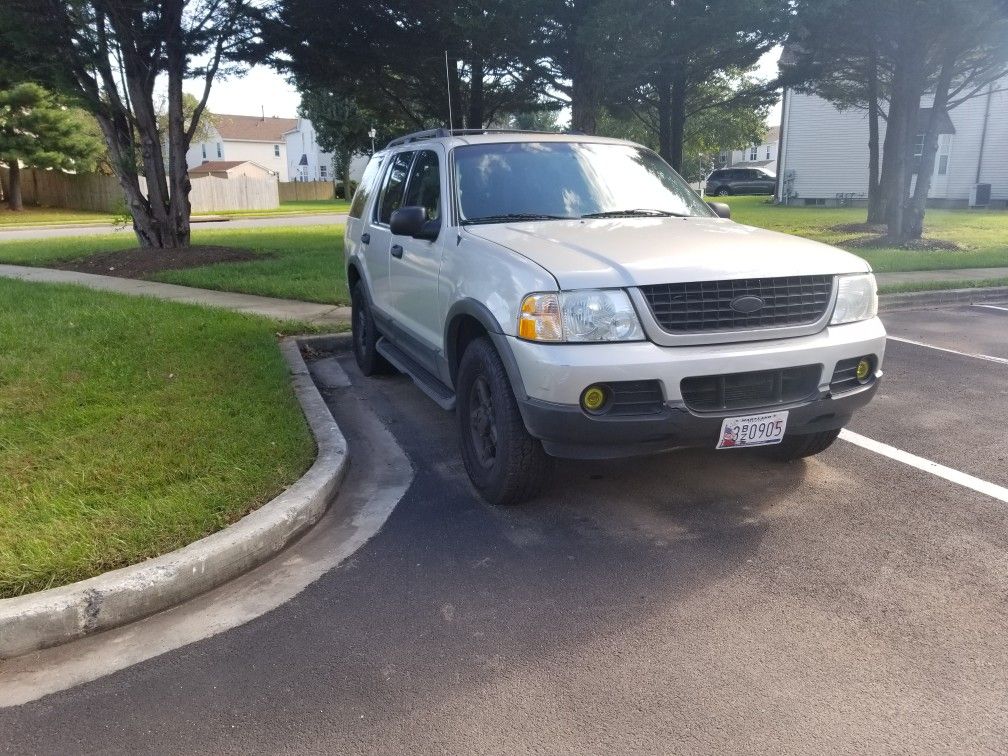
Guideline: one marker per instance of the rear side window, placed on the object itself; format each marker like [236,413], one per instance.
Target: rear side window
[424,188]
[395,185]
[366,187]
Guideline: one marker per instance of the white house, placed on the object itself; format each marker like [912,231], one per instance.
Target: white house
[307,161]
[762,155]
[239,138]
[824,151]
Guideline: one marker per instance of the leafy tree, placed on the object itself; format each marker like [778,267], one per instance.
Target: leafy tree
[108,55]
[886,55]
[190,106]
[401,60]
[695,42]
[38,131]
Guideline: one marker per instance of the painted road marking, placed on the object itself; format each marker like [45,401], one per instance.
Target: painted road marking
[954,476]
[987,357]
[992,307]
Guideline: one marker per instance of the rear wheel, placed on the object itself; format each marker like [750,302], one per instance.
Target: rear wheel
[504,462]
[805,445]
[365,335]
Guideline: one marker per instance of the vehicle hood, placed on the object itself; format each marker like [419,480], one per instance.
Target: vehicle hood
[598,253]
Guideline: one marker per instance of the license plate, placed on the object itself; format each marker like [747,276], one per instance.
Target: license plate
[752,430]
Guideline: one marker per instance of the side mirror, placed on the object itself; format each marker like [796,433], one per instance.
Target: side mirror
[412,221]
[722,210]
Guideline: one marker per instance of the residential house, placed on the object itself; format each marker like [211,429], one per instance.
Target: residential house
[240,138]
[231,169]
[824,151]
[307,161]
[762,155]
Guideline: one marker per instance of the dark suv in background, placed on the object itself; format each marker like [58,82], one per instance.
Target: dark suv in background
[725,181]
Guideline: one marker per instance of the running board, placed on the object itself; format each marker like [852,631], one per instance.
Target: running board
[426,382]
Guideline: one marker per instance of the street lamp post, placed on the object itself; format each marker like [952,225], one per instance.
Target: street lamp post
[372,133]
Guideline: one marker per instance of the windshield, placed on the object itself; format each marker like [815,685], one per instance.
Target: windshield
[499,182]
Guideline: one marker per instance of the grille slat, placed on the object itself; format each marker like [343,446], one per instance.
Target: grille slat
[762,388]
[706,305]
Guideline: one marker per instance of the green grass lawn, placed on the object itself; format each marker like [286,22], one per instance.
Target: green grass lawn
[56,216]
[299,262]
[130,427]
[983,234]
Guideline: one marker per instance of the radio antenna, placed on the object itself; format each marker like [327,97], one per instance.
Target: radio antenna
[451,125]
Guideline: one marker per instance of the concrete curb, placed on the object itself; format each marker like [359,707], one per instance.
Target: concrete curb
[939,297]
[48,618]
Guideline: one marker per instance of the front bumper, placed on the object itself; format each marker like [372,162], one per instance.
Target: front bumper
[553,377]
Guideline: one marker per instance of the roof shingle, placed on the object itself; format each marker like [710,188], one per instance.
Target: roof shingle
[253,128]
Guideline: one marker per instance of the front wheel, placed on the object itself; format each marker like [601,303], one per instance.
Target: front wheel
[724,191]
[796,447]
[504,462]
[365,335]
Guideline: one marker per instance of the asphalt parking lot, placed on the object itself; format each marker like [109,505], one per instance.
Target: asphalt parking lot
[696,601]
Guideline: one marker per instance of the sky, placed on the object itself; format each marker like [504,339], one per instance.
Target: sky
[261,89]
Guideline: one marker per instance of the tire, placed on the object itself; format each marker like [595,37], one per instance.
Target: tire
[365,334]
[723,191]
[505,464]
[796,447]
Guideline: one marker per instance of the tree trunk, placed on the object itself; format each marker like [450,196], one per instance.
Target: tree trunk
[664,87]
[907,86]
[476,101]
[876,205]
[678,127]
[14,190]
[345,158]
[584,102]
[455,89]
[913,223]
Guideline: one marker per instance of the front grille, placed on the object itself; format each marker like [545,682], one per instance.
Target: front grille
[635,398]
[706,305]
[761,388]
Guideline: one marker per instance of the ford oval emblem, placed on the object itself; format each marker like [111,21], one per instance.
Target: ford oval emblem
[747,305]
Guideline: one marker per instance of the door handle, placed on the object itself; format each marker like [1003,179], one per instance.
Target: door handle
[397,251]
[365,238]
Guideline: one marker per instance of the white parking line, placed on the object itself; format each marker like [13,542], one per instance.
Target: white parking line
[987,357]
[954,476]
[992,307]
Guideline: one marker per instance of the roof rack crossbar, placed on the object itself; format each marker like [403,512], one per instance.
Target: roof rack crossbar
[417,136]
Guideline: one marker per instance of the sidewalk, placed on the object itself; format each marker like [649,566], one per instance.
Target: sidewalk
[281,309]
[924,276]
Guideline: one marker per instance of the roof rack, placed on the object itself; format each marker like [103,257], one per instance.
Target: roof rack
[440,133]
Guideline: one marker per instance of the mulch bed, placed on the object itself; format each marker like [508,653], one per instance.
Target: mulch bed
[859,228]
[925,245]
[139,262]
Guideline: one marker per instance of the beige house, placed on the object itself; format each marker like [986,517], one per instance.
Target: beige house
[239,139]
[231,169]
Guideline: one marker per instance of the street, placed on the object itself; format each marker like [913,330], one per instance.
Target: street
[696,601]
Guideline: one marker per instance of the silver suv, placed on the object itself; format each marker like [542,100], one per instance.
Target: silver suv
[571,296]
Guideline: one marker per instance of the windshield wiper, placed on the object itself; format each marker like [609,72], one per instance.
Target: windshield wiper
[504,218]
[635,213]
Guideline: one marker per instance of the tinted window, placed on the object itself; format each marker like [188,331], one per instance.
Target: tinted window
[424,187]
[567,180]
[366,187]
[395,184]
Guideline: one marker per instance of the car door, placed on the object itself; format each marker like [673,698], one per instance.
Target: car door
[377,237]
[415,264]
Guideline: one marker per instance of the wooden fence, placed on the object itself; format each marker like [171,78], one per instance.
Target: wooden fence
[90,191]
[299,191]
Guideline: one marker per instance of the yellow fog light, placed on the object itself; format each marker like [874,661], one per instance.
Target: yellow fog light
[594,398]
[863,369]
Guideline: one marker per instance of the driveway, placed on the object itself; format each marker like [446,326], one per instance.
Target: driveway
[237,223]
[692,602]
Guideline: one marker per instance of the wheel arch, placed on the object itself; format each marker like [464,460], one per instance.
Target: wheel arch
[467,320]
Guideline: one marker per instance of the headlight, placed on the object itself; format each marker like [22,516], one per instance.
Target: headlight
[579,316]
[857,299]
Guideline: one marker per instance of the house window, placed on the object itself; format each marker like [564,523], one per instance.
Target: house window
[943,165]
[918,148]
[768,152]
[753,152]
[323,171]
[276,150]
[220,150]
[204,151]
